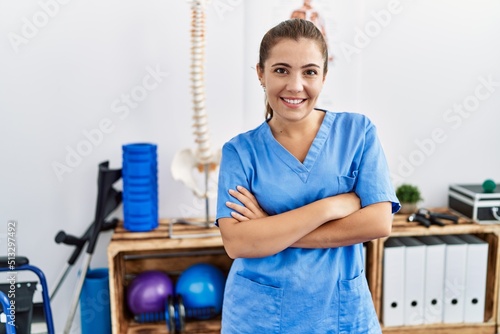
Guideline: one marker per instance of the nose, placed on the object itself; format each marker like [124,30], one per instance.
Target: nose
[295,83]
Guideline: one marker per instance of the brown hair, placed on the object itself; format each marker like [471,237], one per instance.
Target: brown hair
[291,29]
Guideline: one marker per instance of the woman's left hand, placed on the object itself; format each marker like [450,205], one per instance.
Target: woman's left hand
[250,208]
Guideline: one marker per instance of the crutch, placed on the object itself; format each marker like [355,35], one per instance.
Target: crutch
[106,178]
[112,202]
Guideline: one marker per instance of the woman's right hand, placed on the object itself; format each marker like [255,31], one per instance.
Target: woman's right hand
[250,208]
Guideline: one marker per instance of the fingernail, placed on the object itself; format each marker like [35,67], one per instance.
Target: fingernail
[239,187]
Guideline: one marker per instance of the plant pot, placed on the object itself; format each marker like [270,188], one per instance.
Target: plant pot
[408,208]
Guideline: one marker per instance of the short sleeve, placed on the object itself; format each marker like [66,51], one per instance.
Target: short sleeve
[231,174]
[374,183]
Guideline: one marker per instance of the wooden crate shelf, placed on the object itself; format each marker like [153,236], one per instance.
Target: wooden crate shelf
[130,253]
[194,327]
[490,233]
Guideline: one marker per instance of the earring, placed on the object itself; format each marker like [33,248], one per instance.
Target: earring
[263,87]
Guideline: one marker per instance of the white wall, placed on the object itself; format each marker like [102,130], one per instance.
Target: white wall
[63,80]
[432,59]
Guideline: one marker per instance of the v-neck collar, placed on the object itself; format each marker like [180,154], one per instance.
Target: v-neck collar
[302,169]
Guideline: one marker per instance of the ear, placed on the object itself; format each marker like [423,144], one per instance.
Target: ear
[260,73]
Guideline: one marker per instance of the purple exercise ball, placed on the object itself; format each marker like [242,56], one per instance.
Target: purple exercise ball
[149,291]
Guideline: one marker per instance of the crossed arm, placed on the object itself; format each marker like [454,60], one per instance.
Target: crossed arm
[329,222]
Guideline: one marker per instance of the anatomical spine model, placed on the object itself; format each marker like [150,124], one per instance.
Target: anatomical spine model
[202,159]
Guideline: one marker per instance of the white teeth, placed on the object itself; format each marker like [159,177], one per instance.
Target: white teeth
[293,101]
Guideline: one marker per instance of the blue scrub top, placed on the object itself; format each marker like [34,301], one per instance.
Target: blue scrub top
[303,290]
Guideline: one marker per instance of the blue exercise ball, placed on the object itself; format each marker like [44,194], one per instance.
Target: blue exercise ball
[202,286]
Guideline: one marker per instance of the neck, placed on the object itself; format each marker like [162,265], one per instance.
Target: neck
[297,129]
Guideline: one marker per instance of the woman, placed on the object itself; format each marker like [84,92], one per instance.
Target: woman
[297,197]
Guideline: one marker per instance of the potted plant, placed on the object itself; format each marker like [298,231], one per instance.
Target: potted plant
[409,196]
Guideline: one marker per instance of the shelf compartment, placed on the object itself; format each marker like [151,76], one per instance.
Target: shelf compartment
[130,253]
[489,233]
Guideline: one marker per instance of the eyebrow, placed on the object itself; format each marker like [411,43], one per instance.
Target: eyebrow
[287,65]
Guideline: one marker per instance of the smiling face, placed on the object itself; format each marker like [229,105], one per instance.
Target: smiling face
[293,76]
